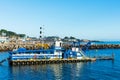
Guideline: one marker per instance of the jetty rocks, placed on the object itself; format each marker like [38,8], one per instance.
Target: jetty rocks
[105,46]
[31,46]
[28,46]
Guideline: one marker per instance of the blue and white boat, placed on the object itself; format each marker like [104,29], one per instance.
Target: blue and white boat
[55,53]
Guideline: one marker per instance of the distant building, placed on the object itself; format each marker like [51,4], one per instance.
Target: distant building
[70,39]
[51,39]
[31,39]
[4,39]
[85,40]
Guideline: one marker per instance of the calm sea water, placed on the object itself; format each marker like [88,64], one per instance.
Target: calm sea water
[107,42]
[98,70]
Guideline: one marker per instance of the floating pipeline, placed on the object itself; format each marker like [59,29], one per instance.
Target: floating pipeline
[33,46]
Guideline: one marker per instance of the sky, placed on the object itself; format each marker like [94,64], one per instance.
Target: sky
[83,19]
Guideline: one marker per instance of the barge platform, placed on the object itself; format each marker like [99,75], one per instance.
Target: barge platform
[55,61]
[50,61]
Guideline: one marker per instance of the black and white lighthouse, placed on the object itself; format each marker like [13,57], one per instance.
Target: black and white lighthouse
[41,33]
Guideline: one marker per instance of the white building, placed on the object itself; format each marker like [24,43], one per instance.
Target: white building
[3,39]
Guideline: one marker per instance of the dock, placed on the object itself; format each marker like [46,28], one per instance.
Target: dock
[49,61]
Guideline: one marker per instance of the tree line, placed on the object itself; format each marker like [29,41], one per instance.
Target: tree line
[6,33]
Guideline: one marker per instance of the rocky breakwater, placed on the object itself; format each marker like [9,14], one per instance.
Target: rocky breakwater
[28,46]
[31,46]
[105,46]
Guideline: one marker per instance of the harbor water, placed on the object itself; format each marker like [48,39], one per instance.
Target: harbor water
[107,43]
[98,70]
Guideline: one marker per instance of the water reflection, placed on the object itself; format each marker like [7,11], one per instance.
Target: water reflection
[48,71]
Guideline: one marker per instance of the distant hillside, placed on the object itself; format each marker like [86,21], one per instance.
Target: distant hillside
[4,32]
